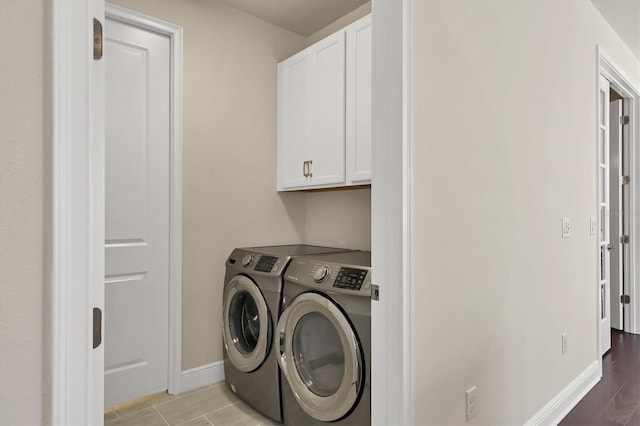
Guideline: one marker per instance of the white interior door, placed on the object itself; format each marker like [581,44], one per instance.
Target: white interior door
[617,213]
[137,212]
[604,207]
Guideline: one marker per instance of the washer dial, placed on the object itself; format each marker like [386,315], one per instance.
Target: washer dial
[247,259]
[321,274]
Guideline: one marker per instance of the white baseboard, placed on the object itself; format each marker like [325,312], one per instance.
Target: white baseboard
[202,376]
[556,409]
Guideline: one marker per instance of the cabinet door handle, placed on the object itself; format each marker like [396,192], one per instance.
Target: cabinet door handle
[309,170]
[305,168]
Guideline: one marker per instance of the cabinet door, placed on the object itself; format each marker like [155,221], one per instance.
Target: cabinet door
[358,145]
[294,101]
[327,151]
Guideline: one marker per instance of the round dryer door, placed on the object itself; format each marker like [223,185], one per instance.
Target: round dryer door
[320,356]
[247,324]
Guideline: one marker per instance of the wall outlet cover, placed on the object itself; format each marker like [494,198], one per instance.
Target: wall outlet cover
[471,402]
[566,227]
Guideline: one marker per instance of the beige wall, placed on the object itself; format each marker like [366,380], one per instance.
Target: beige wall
[339,219]
[505,138]
[22,130]
[338,24]
[230,160]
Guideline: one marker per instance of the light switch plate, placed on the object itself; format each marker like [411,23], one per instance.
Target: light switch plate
[566,227]
[593,226]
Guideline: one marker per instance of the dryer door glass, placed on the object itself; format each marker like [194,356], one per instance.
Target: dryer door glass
[318,354]
[320,357]
[244,322]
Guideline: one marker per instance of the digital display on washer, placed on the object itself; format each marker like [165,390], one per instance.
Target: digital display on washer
[265,264]
[350,278]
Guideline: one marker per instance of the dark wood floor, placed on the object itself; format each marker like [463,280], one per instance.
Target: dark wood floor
[615,400]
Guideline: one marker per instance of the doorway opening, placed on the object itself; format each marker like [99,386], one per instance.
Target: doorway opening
[618,101]
[615,180]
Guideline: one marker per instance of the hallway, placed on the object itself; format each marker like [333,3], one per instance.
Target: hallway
[615,400]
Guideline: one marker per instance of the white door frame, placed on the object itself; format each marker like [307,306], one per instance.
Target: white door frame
[174,33]
[78,210]
[77,393]
[630,91]
[391,221]
[77,200]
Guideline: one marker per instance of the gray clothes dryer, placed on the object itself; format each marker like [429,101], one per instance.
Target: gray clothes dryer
[251,304]
[324,335]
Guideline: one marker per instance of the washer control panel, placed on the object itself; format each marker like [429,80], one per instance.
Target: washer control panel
[258,262]
[350,278]
[265,263]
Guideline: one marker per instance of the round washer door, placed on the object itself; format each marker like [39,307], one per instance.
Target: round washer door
[320,357]
[247,324]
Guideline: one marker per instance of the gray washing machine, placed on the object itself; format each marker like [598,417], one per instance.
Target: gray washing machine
[251,304]
[324,335]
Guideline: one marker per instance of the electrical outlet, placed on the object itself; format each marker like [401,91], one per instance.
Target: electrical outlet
[566,227]
[471,402]
[593,226]
[564,344]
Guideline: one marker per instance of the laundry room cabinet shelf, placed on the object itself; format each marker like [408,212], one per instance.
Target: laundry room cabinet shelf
[324,112]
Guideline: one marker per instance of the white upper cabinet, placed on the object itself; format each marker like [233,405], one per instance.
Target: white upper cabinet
[358,147]
[294,118]
[324,100]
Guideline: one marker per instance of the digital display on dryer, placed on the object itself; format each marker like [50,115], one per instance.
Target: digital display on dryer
[350,278]
[265,264]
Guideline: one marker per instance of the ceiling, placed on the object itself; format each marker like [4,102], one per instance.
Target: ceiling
[303,17]
[624,17]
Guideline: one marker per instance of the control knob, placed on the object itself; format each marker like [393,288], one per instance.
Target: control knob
[321,274]
[247,259]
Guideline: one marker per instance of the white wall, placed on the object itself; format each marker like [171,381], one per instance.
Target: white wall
[504,110]
[22,192]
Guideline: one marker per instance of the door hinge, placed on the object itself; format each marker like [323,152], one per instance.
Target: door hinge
[97,327]
[625,180]
[625,298]
[624,120]
[97,40]
[375,292]
[624,239]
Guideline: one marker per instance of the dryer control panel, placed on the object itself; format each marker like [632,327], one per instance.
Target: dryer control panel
[350,278]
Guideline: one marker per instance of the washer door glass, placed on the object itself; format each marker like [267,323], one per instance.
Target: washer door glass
[318,354]
[247,324]
[320,357]
[244,322]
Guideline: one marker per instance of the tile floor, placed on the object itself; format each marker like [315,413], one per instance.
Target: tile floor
[210,405]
